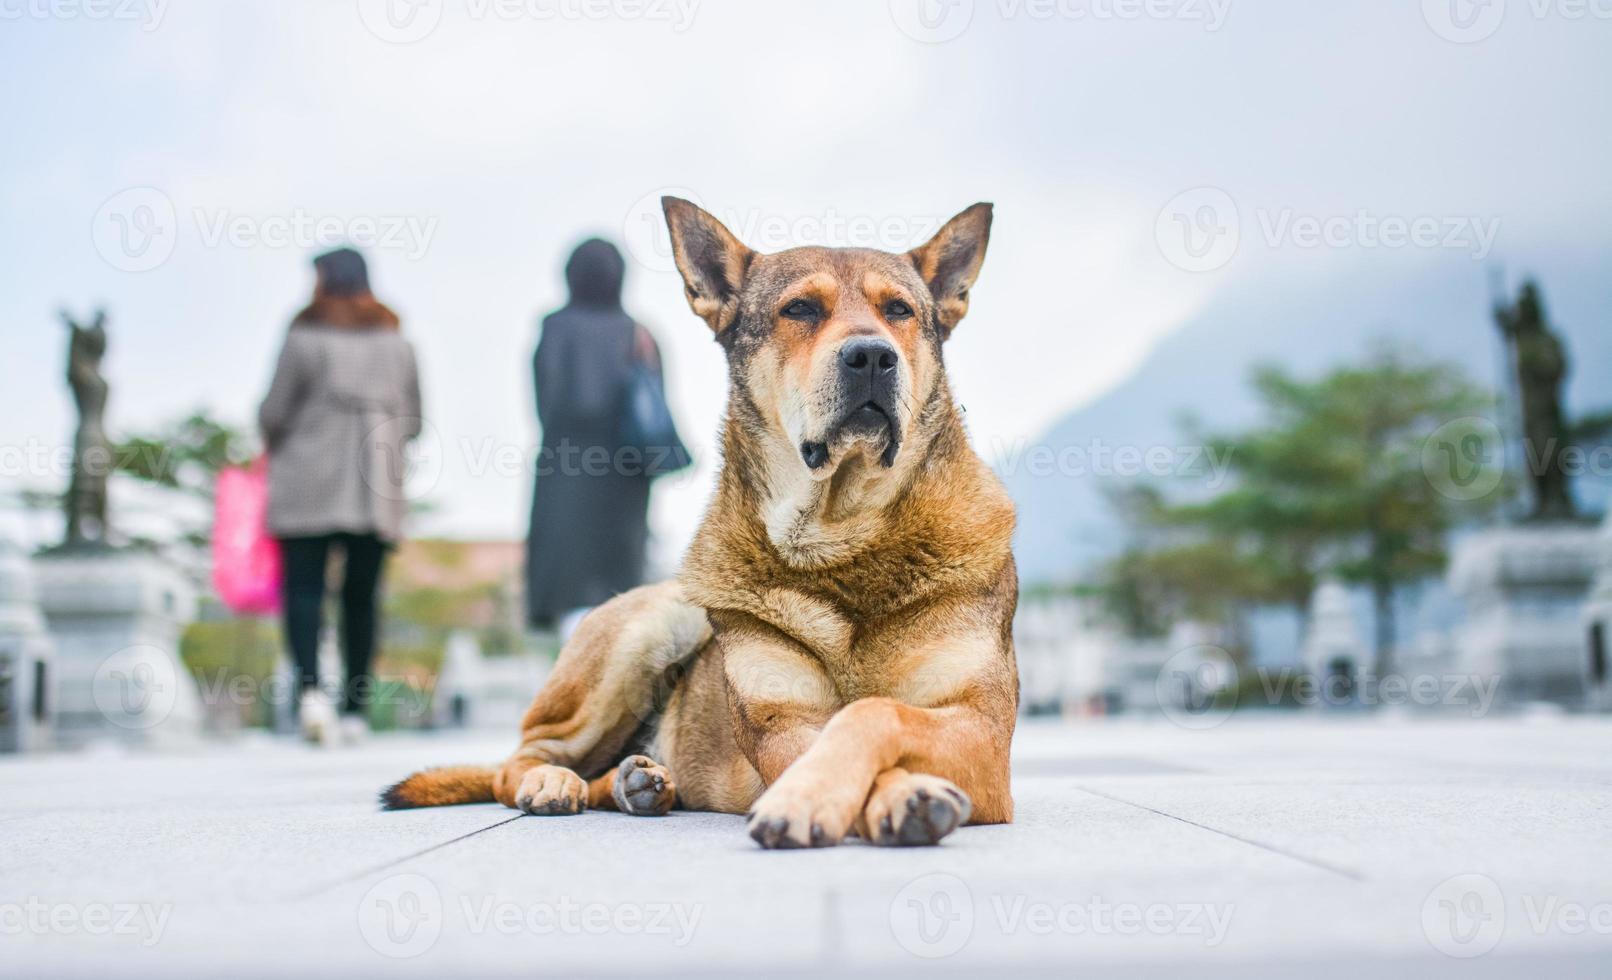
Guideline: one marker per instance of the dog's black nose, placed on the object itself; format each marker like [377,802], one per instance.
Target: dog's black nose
[868,357]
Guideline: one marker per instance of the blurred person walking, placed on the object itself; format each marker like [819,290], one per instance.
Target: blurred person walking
[343,405]
[597,373]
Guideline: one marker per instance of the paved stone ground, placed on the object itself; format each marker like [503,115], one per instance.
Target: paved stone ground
[1322,845]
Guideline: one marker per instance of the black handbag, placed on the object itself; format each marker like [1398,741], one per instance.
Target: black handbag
[646,419]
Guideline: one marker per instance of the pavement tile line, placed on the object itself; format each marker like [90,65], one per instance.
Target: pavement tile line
[1339,870]
[833,938]
[375,869]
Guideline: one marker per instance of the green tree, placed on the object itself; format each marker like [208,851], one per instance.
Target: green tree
[1371,425]
[186,454]
[1332,480]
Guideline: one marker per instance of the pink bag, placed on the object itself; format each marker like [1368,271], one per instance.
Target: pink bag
[246,561]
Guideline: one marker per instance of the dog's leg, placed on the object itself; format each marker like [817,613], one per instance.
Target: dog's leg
[550,791]
[907,808]
[829,786]
[639,786]
[780,699]
[604,687]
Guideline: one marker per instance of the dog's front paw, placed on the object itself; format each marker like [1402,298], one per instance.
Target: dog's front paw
[909,809]
[551,791]
[643,787]
[803,812]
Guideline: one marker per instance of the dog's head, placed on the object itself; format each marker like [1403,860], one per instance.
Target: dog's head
[836,352]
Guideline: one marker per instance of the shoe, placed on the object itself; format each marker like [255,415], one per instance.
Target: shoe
[354,729]
[318,718]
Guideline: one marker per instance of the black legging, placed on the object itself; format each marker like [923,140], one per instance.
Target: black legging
[305,561]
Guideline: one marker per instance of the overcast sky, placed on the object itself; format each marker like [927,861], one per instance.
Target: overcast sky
[173,161]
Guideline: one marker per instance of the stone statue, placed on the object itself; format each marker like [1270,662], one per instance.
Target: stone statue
[85,503]
[1539,361]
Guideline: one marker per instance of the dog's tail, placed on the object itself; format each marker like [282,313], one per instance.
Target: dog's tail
[448,786]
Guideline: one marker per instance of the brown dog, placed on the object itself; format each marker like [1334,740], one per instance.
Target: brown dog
[836,656]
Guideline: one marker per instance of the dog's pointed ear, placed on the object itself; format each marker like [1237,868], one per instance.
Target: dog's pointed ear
[712,261]
[950,262]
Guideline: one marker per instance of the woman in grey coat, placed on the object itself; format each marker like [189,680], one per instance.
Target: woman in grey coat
[340,412]
[590,505]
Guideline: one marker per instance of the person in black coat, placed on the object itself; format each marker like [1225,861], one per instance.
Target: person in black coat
[590,505]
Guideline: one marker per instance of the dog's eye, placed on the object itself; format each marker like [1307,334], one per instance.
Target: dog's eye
[897,310]
[801,310]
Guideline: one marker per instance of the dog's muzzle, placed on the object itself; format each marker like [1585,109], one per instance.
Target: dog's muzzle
[869,373]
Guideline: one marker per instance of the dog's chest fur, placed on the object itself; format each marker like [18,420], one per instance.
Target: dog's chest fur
[930,570]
